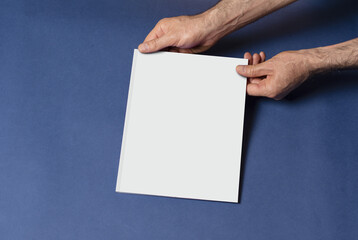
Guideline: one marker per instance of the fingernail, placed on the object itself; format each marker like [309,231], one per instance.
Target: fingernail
[143,47]
[241,68]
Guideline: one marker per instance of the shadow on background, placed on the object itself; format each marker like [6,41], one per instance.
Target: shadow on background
[322,84]
[249,122]
[330,82]
[303,20]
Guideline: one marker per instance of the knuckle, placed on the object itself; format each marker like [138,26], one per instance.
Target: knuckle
[153,43]
[163,22]
[250,70]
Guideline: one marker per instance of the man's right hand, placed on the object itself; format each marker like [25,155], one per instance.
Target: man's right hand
[186,34]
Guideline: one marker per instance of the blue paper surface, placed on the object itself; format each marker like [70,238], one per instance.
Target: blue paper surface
[64,76]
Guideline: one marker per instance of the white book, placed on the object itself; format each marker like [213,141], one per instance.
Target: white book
[183,127]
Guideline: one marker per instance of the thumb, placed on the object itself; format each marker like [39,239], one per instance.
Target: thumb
[154,45]
[257,70]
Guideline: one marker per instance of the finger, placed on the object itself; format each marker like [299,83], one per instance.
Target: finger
[155,33]
[256,89]
[255,80]
[248,56]
[257,70]
[152,35]
[256,59]
[154,45]
[263,56]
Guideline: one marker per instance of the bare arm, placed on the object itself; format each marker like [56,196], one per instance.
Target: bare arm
[339,56]
[230,15]
[279,75]
[198,33]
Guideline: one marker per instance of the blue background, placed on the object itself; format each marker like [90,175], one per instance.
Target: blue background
[64,75]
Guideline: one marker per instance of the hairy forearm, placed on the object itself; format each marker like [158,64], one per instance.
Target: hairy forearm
[230,15]
[339,56]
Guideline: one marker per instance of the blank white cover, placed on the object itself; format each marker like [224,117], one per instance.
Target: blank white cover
[183,127]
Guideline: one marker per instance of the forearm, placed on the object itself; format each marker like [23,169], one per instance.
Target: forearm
[339,56]
[230,15]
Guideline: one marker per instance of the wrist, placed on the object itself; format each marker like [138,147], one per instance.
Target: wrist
[223,18]
[215,25]
[316,60]
[324,59]
[230,15]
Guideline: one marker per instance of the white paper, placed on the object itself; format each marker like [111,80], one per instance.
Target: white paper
[183,127]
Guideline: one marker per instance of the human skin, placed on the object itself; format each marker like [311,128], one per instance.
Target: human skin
[274,78]
[281,74]
[193,34]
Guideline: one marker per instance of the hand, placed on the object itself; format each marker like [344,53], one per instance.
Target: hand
[276,77]
[193,34]
[186,34]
